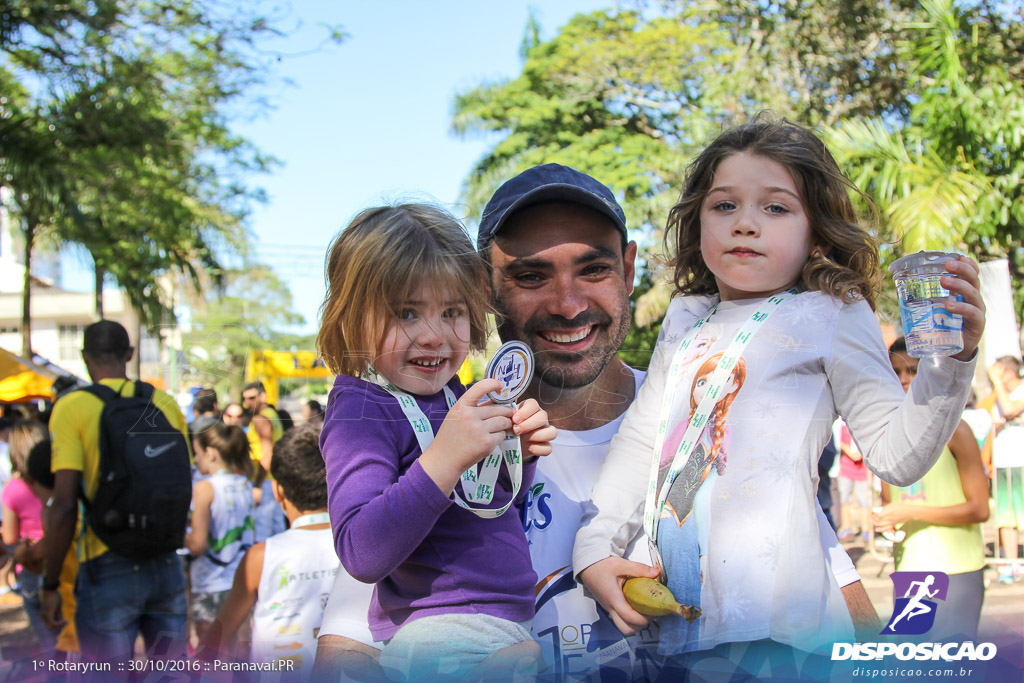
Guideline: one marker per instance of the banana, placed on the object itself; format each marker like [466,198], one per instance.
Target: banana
[653,599]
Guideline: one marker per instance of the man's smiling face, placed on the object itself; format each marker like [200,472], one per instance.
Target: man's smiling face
[562,283]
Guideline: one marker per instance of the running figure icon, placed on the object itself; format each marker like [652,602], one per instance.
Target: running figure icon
[915,606]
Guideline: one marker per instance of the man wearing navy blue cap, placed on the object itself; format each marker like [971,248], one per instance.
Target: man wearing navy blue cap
[562,271]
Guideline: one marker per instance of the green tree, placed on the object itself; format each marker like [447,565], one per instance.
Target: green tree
[631,95]
[949,175]
[30,165]
[132,102]
[241,316]
[639,344]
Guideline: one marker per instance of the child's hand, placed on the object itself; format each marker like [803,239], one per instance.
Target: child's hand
[29,554]
[531,424]
[972,308]
[468,434]
[889,516]
[604,580]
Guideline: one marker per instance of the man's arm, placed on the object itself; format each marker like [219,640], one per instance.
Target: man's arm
[63,516]
[862,612]
[265,432]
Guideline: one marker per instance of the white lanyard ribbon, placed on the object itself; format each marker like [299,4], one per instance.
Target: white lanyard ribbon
[655,502]
[478,482]
[311,519]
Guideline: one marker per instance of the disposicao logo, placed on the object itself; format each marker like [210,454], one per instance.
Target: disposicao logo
[914,613]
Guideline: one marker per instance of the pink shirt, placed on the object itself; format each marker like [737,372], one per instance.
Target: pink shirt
[18,497]
[854,470]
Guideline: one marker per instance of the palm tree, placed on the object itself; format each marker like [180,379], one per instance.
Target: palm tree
[939,178]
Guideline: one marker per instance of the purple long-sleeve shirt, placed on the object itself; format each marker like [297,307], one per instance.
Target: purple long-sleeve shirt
[394,527]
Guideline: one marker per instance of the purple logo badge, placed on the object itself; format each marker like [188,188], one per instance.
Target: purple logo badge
[914,613]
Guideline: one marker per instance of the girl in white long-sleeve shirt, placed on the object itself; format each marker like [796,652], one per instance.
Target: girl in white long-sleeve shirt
[765,217]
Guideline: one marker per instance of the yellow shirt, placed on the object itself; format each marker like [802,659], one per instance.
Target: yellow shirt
[276,432]
[75,433]
[934,547]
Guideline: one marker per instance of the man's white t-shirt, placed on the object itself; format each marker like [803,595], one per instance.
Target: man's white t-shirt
[575,636]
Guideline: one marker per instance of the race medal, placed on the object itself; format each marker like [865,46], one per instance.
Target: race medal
[512,365]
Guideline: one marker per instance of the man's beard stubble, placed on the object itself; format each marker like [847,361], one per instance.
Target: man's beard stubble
[569,369]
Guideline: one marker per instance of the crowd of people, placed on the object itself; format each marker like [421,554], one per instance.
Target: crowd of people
[171,600]
[413,529]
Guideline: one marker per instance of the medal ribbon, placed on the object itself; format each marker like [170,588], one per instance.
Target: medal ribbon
[478,482]
[655,502]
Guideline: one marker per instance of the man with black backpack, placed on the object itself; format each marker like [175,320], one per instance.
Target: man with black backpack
[119,447]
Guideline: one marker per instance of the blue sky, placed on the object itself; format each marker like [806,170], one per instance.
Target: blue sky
[368,121]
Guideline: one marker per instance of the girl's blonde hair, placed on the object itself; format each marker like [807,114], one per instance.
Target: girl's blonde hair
[24,435]
[232,444]
[378,262]
[846,266]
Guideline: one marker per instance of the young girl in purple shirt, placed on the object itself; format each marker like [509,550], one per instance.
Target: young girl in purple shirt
[407,300]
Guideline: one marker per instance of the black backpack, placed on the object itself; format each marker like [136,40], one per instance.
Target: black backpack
[145,478]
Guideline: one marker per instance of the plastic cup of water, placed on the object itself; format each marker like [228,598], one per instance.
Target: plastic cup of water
[930,330]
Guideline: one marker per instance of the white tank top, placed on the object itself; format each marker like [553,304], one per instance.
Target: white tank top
[299,566]
[230,533]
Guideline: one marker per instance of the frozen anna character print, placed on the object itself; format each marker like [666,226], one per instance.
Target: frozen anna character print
[712,449]
[683,536]
[702,343]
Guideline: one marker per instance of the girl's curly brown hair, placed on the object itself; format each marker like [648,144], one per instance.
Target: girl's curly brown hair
[846,266]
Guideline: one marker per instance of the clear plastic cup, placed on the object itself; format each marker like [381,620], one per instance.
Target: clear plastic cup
[930,329]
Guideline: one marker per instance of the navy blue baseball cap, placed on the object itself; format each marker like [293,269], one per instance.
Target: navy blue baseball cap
[547,183]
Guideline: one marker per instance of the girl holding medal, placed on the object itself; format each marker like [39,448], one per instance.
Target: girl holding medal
[411,510]
[768,246]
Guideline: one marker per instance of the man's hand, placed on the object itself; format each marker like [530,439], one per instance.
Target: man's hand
[604,580]
[50,609]
[519,662]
